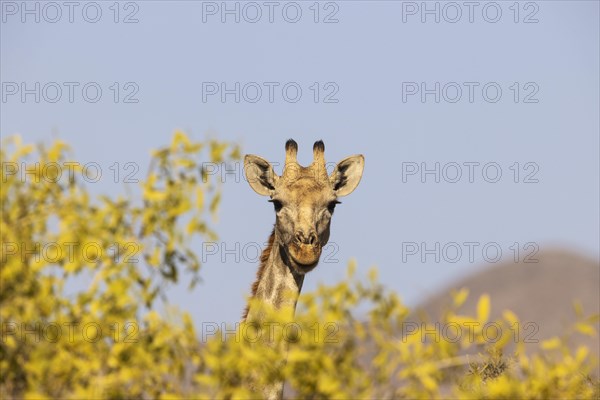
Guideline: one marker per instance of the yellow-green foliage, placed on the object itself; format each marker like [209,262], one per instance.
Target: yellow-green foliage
[103,340]
[353,339]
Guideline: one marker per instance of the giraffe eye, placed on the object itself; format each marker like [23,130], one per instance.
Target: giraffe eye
[277,204]
[331,205]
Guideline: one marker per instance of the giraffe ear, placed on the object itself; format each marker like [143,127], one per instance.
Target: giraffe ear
[346,175]
[260,175]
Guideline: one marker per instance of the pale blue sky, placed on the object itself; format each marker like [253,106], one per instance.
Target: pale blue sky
[368,54]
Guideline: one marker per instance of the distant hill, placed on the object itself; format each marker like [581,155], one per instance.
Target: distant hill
[541,292]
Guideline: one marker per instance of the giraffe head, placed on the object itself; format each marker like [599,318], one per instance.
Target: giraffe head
[304,199]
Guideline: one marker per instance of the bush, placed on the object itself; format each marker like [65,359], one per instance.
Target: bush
[107,340]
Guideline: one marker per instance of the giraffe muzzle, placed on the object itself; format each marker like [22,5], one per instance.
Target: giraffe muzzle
[306,256]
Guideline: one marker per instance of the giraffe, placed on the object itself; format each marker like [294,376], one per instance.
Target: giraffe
[304,199]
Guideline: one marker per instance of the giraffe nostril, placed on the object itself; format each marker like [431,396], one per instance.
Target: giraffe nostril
[302,238]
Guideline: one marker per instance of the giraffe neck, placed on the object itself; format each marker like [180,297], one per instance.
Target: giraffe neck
[278,285]
[275,279]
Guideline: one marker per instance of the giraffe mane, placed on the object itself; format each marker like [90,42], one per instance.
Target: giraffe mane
[264,257]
